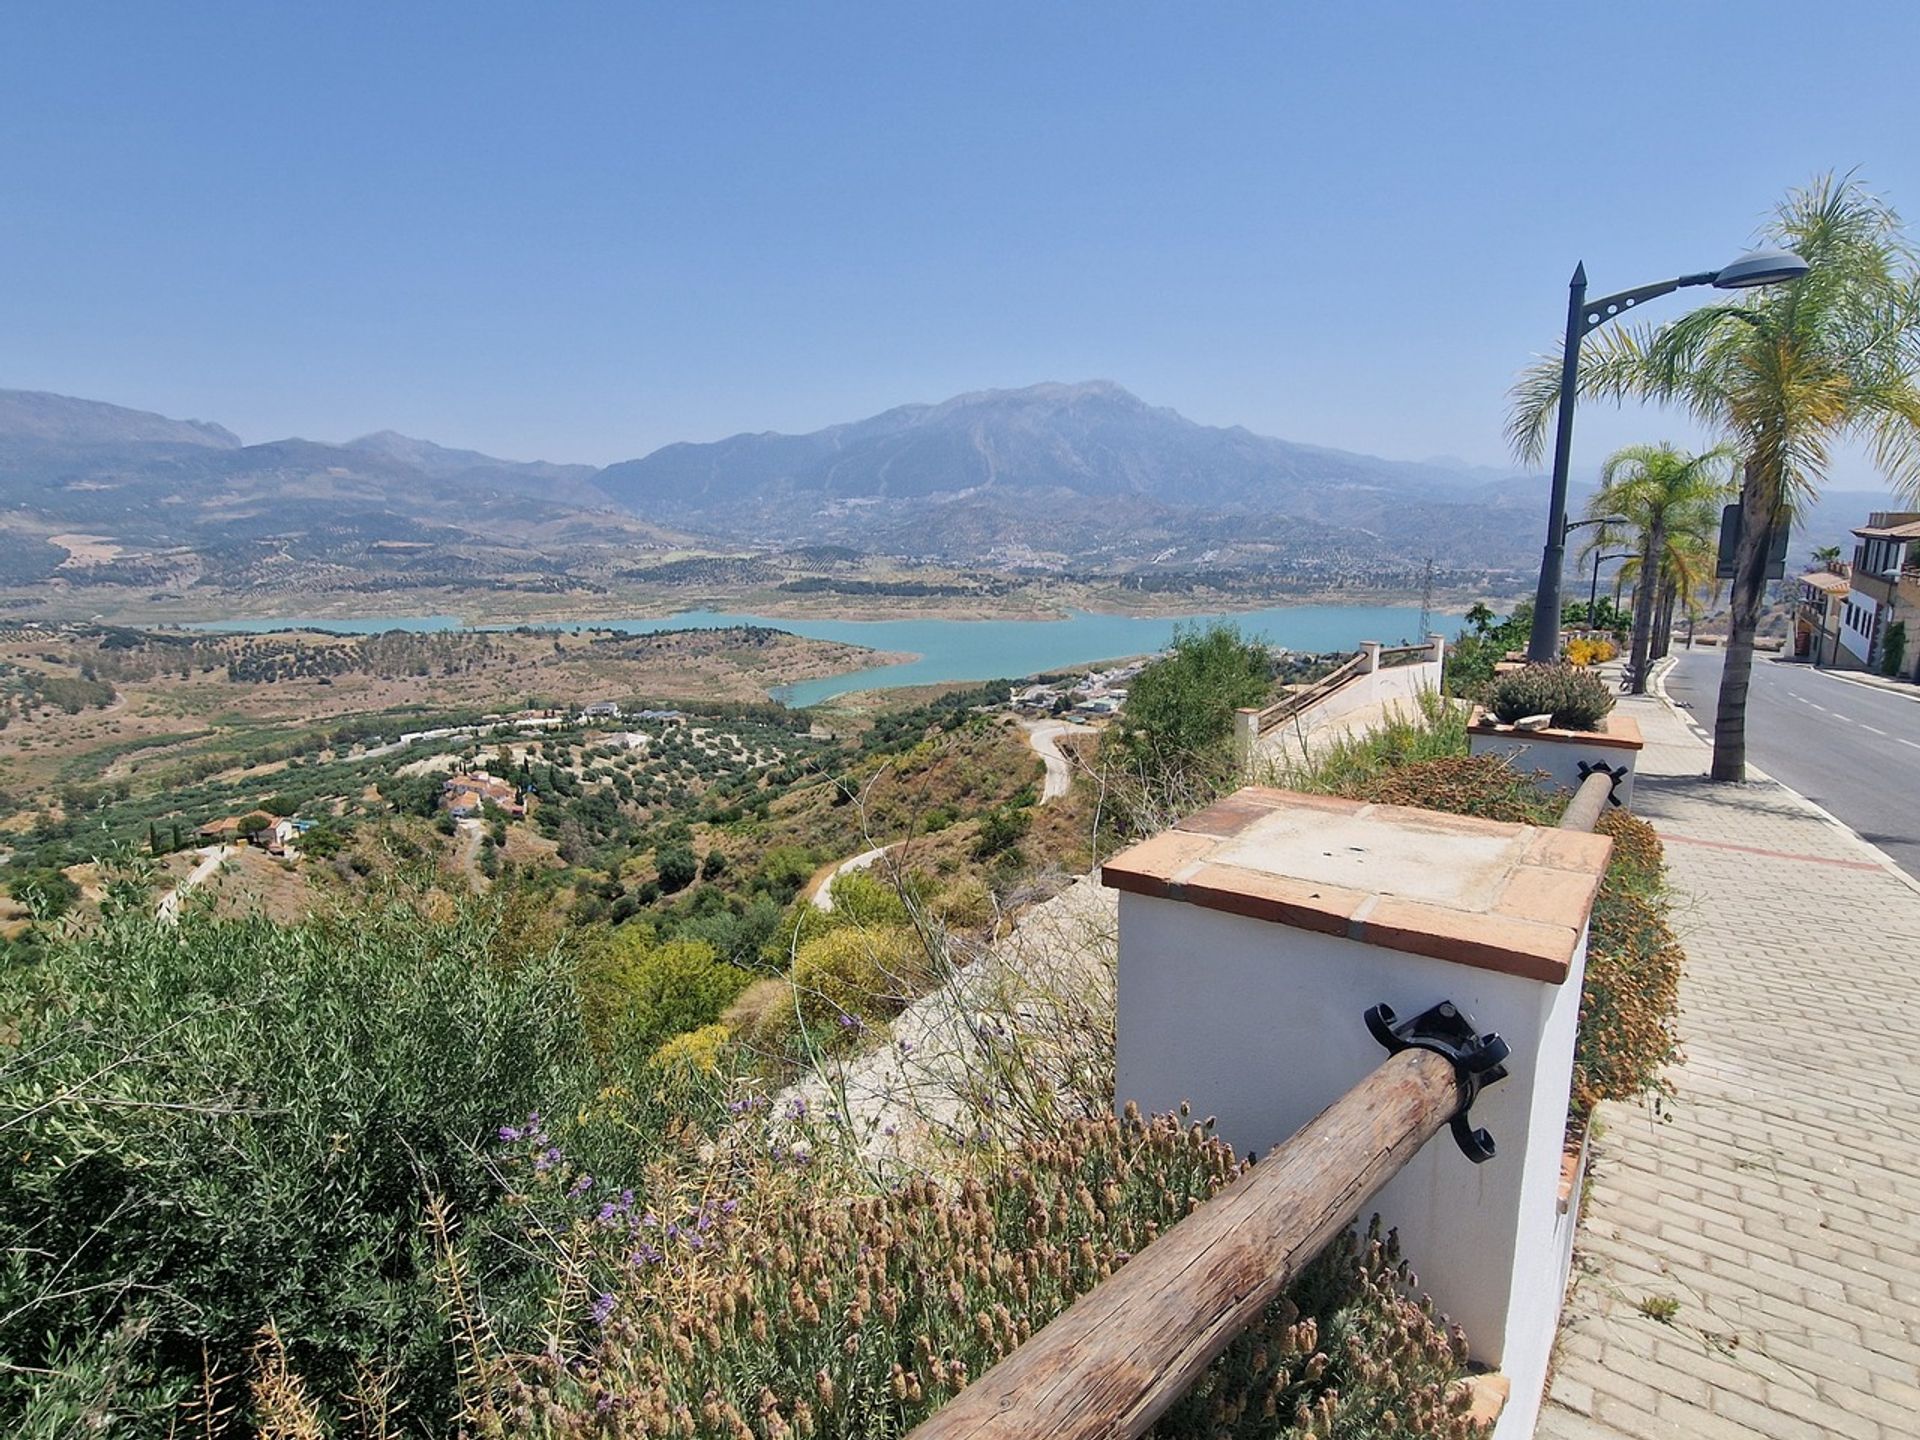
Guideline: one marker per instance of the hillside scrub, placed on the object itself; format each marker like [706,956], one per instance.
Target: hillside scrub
[771,1306]
[236,1122]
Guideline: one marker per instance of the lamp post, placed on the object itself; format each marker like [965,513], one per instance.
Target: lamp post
[1761,267]
[1593,590]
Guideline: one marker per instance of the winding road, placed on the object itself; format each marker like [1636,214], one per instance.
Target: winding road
[1044,737]
[211,859]
[823,896]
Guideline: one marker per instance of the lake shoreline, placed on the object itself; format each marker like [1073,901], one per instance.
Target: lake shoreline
[945,650]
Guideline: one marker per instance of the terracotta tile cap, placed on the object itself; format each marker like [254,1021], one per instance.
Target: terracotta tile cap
[1285,901]
[1484,941]
[1617,731]
[1476,892]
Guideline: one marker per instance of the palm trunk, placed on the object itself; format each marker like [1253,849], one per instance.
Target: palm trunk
[1643,593]
[1663,621]
[1758,499]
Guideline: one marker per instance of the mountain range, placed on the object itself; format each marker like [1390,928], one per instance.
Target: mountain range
[1051,477]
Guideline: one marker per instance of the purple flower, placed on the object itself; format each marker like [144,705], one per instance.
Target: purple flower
[645,1255]
[797,1108]
[606,1213]
[602,1308]
[580,1186]
[511,1132]
[548,1158]
[727,1207]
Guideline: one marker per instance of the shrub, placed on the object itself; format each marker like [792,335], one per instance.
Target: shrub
[638,993]
[1582,652]
[860,971]
[1179,710]
[1576,699]
[769,1304]
[1893,652]
[225,1123]
[1001,828]
[1629,1003]
[699,1050]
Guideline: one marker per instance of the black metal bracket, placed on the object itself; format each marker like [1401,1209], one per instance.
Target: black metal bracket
[1615,773]
[1476,1060]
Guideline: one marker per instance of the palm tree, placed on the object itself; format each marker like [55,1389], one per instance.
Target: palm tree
[1669,502]
[1827,557]
[1783,373]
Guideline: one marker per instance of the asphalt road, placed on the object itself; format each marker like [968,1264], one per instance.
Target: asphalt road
[1851,748]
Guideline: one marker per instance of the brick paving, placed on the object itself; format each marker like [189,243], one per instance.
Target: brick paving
[1776,1200]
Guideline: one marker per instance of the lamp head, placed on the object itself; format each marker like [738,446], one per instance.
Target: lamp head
[1760,267]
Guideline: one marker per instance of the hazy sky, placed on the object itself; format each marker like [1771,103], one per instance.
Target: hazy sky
[579,232]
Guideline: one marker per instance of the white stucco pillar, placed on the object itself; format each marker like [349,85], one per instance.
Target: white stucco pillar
[1253,938]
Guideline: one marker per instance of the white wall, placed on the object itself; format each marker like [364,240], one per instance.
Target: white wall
[1399,684]
[1260,1025]
[1858,642]
[1560,755]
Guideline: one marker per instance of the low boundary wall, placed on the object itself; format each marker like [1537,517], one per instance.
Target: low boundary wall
[1376,675]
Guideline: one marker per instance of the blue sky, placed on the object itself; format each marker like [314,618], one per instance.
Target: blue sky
[580,232]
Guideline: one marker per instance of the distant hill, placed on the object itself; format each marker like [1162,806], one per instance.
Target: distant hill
[1051,479]
[184,502]
[30,417]
[573,484]
[1088,471]
[1094,439]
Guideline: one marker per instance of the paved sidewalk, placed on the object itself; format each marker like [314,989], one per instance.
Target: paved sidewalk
[1778,1200]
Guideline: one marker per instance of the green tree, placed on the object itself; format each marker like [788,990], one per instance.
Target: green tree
[1179,711]
[1783,373]
[1670,502]
[637,992]
[676,867]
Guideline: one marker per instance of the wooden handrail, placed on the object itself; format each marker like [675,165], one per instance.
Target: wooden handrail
[1589,802]
[1265,719]
[1395,655]
[1125,1351]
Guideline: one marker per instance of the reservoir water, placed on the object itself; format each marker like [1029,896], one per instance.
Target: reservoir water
[971,649]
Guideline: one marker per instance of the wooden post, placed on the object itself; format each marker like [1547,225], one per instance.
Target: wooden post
[1589,803]
[1112,1364]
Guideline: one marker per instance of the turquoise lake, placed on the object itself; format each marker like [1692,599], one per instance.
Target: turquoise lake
[972,649]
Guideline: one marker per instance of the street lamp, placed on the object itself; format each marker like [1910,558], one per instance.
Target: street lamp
[1593,590]
[1761,267]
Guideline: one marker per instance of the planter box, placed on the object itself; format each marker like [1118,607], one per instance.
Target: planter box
[1561,753]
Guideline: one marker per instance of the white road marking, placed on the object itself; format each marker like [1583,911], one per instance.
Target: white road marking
[1841,718]
[1870,729]
[1904,741]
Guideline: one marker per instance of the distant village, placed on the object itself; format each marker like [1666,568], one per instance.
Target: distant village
[1097,694]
